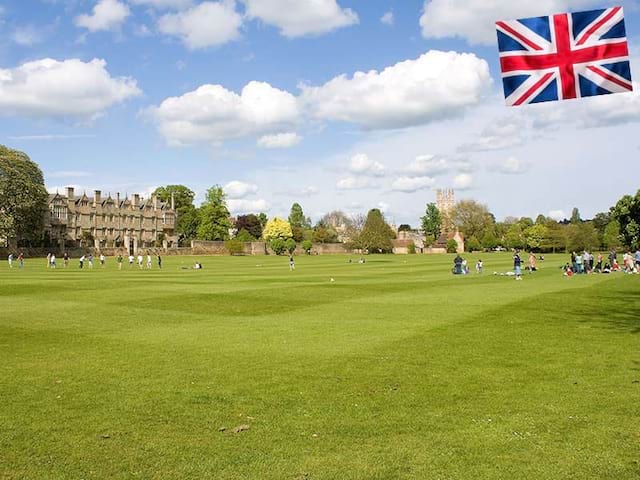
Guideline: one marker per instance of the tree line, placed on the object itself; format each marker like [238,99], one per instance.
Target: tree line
[23,205]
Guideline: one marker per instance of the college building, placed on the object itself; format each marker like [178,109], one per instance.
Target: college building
[110,223]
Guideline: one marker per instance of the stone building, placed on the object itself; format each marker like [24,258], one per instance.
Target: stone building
[130,224]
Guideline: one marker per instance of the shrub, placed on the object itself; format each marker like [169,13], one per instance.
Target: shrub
[411,248]
[278,245]
[234,247]
[473,245]
[307,246]
[244,236]
[452,246]
[290,245]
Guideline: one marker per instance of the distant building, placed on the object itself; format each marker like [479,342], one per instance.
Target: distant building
[108,222]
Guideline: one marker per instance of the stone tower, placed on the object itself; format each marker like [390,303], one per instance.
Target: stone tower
[445,201]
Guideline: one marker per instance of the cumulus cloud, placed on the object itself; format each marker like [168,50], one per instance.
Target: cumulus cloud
[501,133]
[511,166]
[52,88]
[412,184]
[353,183]
[557,215]
[464,181]
[107,15]
[296,18]
[413,92]
[27,35]
[361,164]
[205,25]
[279,140]
[236,189]
[388,18]
[428,165]
[474,20]
[213,114]
[240,206]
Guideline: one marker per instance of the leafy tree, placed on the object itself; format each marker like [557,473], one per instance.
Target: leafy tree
[297,218]
[214,216]
[452,246]
[525,222]
[432,222]
[263,219]
[411,248]
[575,216]
[541,220]
[186,227]
[354,232]
[627,213]
[472,218]
[601,220]
[23,197]
[556,238]
[514,238]
[376,235]
[581,236]
[278,245]
[323,233]
[277,228]
[189,222]
[472,244]
[611,237]
[290,245]
[307,246]
[489,240]
[535,236]
[251,223]
[244,236]
[298,233]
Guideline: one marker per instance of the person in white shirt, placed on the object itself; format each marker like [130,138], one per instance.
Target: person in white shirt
[102,259]
[52,261]
[131,260]
[148,261]
[140,261]
[10,259]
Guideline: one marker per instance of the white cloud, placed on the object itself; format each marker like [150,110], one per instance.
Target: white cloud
[297,18]
[511,166]
[353,183]
[178,4]
[213,114]
[236,189]
[244,206]
[361,164]
[205,25]
[107,15]
[428,165]
[501,133]
[474,20]
[557,215]
[412,184]
[279,140]
[27,35]
[464,181]
[434,86]
[72,87]
[388,18]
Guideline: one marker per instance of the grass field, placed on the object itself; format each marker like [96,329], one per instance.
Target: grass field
[396,370]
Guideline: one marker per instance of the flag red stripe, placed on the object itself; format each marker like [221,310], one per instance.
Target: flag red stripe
[565,56]
[595,27]
[519,36]
[550,60]
[611,78]
[532,90]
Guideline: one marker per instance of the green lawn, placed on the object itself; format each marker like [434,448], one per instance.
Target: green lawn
[396,370]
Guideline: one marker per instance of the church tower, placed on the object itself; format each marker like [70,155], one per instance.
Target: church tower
[445,201]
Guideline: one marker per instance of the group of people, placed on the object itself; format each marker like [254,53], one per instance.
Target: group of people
[140,259]
[586,263]
[87,260]
[11,259]
[461,266]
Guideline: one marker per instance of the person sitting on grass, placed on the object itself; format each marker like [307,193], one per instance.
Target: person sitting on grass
[607,268]
[197,266]
[457,265]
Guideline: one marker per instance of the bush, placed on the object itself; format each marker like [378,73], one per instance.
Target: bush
[307,246]
[278,245]
[290,245]
[452,246]
[244,236]
[234,247]
[411,248]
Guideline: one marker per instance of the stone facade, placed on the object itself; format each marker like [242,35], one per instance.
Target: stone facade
[100,223]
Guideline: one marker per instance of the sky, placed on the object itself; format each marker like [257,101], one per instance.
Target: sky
[335,104]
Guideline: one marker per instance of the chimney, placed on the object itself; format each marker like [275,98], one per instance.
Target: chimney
[70,193]
[118,200]
[97,197]
[154,201]
[173,201]
[136,200]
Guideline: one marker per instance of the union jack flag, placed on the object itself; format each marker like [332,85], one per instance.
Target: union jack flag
[564,56]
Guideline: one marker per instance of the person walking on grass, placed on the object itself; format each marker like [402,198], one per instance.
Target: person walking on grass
[91,261]
[532,263]
[21,260]
[81,260]
[10,260]
[140,261]
[102,259]
[65,259]
[159,262]
[119,260]
[517,265]
[479,266]
[52,261]
[131,260]
[292,264]
[148,261]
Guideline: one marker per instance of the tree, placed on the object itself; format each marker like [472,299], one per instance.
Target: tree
[323,233]
[556,238]
[263,219]
[514,238]
[23,197]
[611,237]
[452,246]
[244,236]
[627,213]
[290,245]
[472,218]
[277,228]
[307,246]
[535,236]
[472,244]
[581,236]
[541,220]
[376,235]
[489,240]
[186,226]
[354,231]
[297,218]
[575,216]
[601,220]
[214,216]
[431,222]
[189,222]
[251,224]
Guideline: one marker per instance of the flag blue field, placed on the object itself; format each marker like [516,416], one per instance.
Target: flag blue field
[564,56]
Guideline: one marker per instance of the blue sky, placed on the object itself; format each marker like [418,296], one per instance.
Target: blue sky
[264,97]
